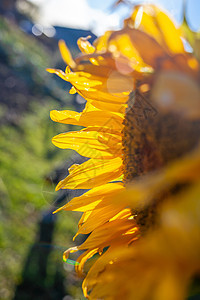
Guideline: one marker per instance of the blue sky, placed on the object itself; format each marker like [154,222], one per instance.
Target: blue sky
[98,16]
[173,6]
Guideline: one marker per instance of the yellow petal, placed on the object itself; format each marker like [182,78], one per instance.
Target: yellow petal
[79,80]
[72,91]
[82,259]
[66,55]
[104,119]
[104,234]
[157,24]
[85,47]
[103,99]
[102,42]
[99,216]
[114,90]
[92,173]
[124,213]
[90,143]
[115,108]
[123,45]
[149,49]
[68,251]
[90,199]
[170,33]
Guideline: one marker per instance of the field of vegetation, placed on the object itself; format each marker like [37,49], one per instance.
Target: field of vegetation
[31,239]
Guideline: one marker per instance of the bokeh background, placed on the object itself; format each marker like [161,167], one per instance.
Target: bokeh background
[32,240]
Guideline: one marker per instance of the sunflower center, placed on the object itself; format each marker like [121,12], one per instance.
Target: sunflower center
[151,139]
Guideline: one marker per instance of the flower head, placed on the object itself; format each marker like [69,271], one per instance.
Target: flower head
[141,136]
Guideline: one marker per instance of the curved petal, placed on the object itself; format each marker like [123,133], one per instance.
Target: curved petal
[90,199]
[92,173]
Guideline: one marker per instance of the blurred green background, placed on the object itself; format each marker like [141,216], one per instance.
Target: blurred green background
[32,240]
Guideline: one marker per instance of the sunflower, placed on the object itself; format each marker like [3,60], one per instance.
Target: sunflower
[141,135]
